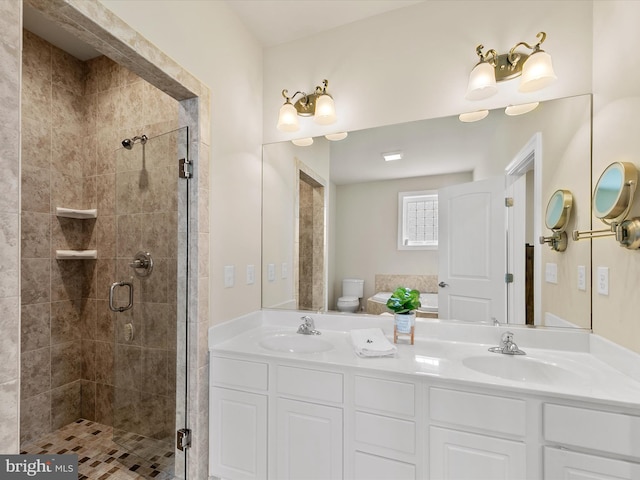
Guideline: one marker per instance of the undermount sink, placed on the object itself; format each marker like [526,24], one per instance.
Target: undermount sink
[295,343]
[519,368]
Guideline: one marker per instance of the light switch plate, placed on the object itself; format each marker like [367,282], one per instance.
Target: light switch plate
[271,272]
[551,273]
[582,278]
[251,274]
[229,276]
[603,280]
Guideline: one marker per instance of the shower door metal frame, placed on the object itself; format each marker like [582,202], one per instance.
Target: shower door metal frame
[181,436]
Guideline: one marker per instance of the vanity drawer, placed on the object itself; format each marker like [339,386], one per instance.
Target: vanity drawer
[386,396]
[230,372]
[485,412]
[385,432]
[310,384]
[594,429]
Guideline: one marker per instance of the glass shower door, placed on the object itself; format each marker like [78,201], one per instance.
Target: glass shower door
[149,297]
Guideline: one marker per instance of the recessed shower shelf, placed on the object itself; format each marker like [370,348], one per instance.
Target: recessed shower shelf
[76,213]
[76,254]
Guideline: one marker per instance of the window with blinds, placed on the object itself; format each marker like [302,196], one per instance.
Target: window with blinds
[418,220]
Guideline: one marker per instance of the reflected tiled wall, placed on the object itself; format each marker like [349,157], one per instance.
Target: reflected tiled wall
[74,116]
[10,42]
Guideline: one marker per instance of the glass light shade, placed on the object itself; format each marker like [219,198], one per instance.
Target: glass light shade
[325,110]
[537,72]
[473,116]
[513,110]
[288,118]
[482,82]
[335,137]
[303,142]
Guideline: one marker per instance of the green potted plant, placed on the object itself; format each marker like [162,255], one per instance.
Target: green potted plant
[404,302]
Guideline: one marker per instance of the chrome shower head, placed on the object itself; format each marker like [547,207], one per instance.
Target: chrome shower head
[129,142]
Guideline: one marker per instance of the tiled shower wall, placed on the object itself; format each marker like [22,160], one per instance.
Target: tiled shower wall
[74,116]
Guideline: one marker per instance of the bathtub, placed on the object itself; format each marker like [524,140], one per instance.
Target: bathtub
[429,302]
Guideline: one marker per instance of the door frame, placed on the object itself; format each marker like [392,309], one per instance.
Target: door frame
[528,158]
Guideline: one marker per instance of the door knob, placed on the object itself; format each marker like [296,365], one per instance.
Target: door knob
[442,284]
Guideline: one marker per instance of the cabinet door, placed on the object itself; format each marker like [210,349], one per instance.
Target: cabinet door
[309,441]
[238,434]
[563,464]
[458,455]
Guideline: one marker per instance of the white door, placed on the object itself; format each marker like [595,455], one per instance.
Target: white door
[472,245]
[309,444]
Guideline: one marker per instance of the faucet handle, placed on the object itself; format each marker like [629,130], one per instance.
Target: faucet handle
[506,338]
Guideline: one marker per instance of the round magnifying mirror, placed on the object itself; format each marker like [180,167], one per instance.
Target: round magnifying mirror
[610,197]
[558,210]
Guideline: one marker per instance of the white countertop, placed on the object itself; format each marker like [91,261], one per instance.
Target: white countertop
[441,347]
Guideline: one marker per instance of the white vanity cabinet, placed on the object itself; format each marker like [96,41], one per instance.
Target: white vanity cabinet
[586,443]
[238,418]
[309,424]
[384,428]
[477,436]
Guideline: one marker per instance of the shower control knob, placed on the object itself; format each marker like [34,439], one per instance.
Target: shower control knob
[142,264]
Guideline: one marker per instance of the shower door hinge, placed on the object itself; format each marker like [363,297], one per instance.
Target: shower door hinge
[183,439]
[184,168]
[508,277]
[508,202]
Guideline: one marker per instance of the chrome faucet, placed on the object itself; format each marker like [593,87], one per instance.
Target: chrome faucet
[507,345]
[308,327]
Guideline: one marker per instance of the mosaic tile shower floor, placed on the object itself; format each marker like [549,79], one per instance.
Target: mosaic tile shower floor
[99,457]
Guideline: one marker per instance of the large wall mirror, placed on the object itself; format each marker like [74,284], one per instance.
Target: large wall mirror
[331,210]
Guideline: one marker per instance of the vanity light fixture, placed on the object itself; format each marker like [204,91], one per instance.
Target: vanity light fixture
[318,105]
[392,156]
[335,137]
[535,69]
[612,202]
[513,110]
[302,142]
[470,117]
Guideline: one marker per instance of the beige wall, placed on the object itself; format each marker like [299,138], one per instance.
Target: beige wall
[615,138]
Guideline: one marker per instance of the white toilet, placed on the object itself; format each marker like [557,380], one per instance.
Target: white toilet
[352,292]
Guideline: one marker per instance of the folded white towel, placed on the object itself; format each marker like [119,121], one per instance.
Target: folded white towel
[371,342]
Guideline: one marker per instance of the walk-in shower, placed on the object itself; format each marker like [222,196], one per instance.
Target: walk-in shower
[128,143]
[98,380]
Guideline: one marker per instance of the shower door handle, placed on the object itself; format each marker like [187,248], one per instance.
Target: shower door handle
[114,285]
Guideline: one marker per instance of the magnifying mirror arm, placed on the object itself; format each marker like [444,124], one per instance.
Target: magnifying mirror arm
[584,234]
